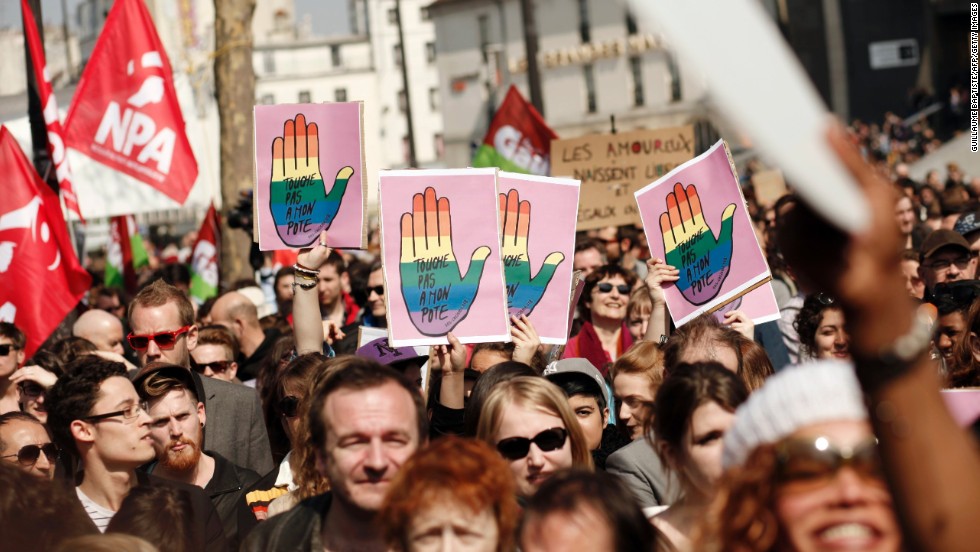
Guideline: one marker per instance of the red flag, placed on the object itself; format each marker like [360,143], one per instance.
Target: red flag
[41,279]
[125,113]
[518,140]
[205,258]
[120,270]
[56,142]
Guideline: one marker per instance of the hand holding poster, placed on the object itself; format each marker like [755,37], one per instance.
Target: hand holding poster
[698,214]
[438,291]
[309,175]
[538,244]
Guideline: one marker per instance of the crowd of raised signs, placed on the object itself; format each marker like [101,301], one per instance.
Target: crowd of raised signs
[277,417]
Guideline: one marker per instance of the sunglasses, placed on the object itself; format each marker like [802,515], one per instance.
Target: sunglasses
[6,348]
[606,287]
[380,290]
[28,454]
[218,366]
[129,413]
[288,406]
[515,448]
[803,464]
[30,389]
[164,340]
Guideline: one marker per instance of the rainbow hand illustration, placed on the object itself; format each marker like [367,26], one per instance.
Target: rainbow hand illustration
[436,293]
[704,261]
[523,292]
[301,205]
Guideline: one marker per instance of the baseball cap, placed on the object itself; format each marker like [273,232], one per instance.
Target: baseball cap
[379,350]
[939,239]
[580,367]
[179,373]
[968,222]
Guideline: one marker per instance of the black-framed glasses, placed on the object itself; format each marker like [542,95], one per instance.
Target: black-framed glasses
[288,406]
[218,366]
[515,448]
[380,290]
[29,454]
[944,264]
[129,413]
[164,340]
[30,389]
[7,347]
[606,287]
[803,463]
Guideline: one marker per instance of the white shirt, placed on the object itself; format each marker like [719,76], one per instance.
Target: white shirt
[99,515]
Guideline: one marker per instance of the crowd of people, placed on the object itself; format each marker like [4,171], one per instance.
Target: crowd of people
[260,421]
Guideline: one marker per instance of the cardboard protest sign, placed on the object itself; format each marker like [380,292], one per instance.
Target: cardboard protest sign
[759,305]
[769,186]
[695,219]
[384,353]
[309,175]
[440,243]
[538,217]
[736,46]
[613,166]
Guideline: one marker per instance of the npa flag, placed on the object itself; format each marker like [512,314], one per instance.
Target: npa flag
[41,279]
[204,259]
[125,113]
[518,139]
[56,142]
[126,253]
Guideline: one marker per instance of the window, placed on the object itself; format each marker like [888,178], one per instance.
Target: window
[430,52]
[304,96]
[589,88]
[340,95]
[583,21]
[397,55]
[335,58]
[269,62]
[636,68]
[424,13]
[434,99]
[392,16]
[675,79]
[267,99]
[402,101]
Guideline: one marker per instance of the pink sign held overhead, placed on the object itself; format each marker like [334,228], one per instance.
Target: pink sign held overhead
[695,219]
[538,216]
[440,244]
[309,175]
[759,305]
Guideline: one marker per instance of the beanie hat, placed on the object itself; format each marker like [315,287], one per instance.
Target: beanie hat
[799,396]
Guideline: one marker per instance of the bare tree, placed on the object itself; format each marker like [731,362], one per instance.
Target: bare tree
[234,81]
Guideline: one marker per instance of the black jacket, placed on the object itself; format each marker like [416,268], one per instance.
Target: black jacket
[227,490]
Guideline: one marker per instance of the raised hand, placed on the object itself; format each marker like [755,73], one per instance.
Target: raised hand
[436,293]
[703,260]
[301,205]
[523,292]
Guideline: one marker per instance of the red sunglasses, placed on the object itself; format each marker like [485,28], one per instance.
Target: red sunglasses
[164,340]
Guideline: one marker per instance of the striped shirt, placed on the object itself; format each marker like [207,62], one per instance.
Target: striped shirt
[99,515]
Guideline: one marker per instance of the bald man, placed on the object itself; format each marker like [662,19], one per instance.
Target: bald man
[236,312]
[101,328]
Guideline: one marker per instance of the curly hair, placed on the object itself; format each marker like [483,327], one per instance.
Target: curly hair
[808,321]
[476,479]
[741,517]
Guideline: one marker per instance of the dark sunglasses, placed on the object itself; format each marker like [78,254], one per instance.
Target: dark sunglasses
[30,389]
[288,406]
[164,340]
[28,455]
[218,366]
[809,463]
[515,448]
[6,348]
[825,299]
[606,287]
[380,290]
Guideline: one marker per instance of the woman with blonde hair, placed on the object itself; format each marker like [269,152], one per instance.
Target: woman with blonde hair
[529,422]
[635,378]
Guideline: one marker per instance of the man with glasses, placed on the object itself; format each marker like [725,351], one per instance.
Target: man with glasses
[945,256]
[95,414]
[12,342]
[239,315]
[215,354]
[365,421]
[177,426]
[162,319]
[25,442]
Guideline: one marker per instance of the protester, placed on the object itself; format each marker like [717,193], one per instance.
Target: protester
[604,335]
[638,312]
[468,503]
[283,286]
[365,422]
[820,325]
[589,255]
[914,284]
[333,287]
[963,368]
[72,348]
[704,339]
[495,375]
[238,314]
[952,302]
[529,422]
[162,319]
[12,342]
[104,330]
[33,381]
[579,510]
[37,514]
[216,353]
[694,408]
[158,515]
[24,442]
[946,257]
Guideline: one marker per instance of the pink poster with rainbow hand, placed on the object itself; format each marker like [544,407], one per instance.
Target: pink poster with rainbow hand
[309,175]
[442,259]
[695,220]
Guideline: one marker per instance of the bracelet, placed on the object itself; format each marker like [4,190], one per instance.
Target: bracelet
[308,286]
[897,359]
[300,268]
[305,276]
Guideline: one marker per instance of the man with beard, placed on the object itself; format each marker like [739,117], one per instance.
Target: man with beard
[177,421]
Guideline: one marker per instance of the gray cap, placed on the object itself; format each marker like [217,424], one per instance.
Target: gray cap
[582,367]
